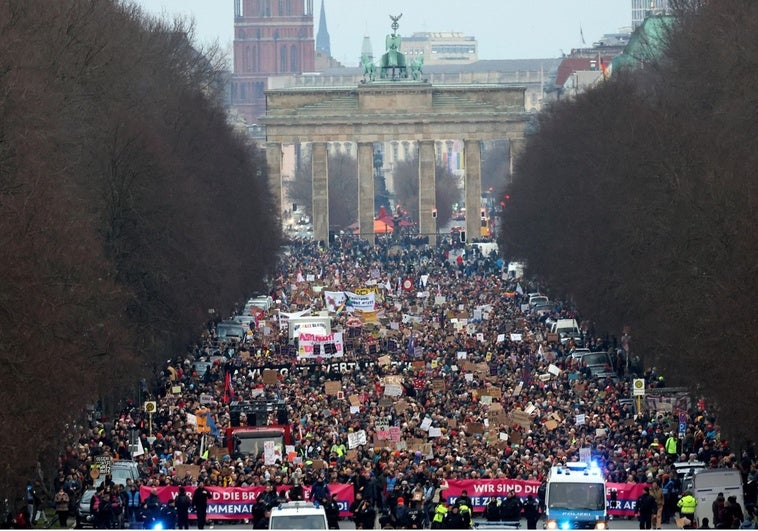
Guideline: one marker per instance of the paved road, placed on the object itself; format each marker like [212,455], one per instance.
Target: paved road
[347,524]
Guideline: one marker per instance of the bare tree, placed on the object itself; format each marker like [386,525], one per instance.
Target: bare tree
[637,200]
[130,208]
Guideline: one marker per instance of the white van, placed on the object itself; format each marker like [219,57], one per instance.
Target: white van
[567,329]
[298,515]
[706,485]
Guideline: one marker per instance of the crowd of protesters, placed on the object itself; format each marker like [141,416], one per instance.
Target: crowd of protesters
[419,335]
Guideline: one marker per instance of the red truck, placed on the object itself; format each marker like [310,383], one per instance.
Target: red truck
[258,427]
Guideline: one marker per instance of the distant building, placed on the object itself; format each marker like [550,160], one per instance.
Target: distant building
[270,38]
[644,8]
[441,48]
[585,67]
[323,43]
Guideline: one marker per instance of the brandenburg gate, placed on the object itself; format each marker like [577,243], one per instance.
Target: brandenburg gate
[394,107]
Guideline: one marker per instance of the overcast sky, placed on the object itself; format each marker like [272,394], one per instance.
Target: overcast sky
[505,29]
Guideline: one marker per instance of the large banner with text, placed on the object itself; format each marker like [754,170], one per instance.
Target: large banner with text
[236,503]
[621,498]
[481,491]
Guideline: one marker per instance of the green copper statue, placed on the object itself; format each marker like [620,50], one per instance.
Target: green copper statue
[393,65]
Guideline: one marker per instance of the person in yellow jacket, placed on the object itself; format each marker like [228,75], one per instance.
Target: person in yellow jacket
[466,515]
[438,520]
[687,505]
[671,448]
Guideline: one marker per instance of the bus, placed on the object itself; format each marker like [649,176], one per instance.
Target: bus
[575,497]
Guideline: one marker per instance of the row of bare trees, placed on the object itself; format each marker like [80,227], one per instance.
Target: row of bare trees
[129,208]
[638,200]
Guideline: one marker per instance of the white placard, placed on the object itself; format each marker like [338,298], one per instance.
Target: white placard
[500,338]
[554,370]
[354,410]
[461,355]
[426,424]
[435,432]
[393,390]
[579,419]
[356,439]
[515,337]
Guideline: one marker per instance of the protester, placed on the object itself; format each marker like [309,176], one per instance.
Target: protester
[458,303]
[183,504]
[200,503]
[646,508]
[61,501]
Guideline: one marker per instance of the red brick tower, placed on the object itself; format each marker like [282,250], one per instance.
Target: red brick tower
[271,37]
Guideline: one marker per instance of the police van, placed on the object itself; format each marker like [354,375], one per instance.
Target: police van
[575,497]
[298,515]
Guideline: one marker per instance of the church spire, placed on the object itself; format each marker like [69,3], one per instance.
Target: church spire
[322,37]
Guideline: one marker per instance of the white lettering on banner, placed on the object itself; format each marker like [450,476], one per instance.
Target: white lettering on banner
[320,346]
[236,503]
[365,303]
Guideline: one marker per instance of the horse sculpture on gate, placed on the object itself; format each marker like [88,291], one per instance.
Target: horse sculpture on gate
[369,70]
[417,68]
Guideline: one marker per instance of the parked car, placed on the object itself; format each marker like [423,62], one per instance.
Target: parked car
[120,472]
[568,330]
[577,353]
[84,515]
[230,331]
[542,309]
[596,359]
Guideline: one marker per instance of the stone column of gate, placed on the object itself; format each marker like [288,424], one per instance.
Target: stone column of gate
[472,152]
[274,163]
[366,191]
[320,174]
[427,198]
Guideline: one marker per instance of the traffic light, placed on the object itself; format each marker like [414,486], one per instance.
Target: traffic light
[294,207]
[483,214]
[434,212]
[462,236]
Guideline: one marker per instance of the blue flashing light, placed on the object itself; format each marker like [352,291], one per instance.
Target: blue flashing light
[157,525]
[565,525]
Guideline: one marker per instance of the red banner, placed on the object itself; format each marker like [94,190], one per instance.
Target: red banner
[236,503]
[481,491]
[626,497]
